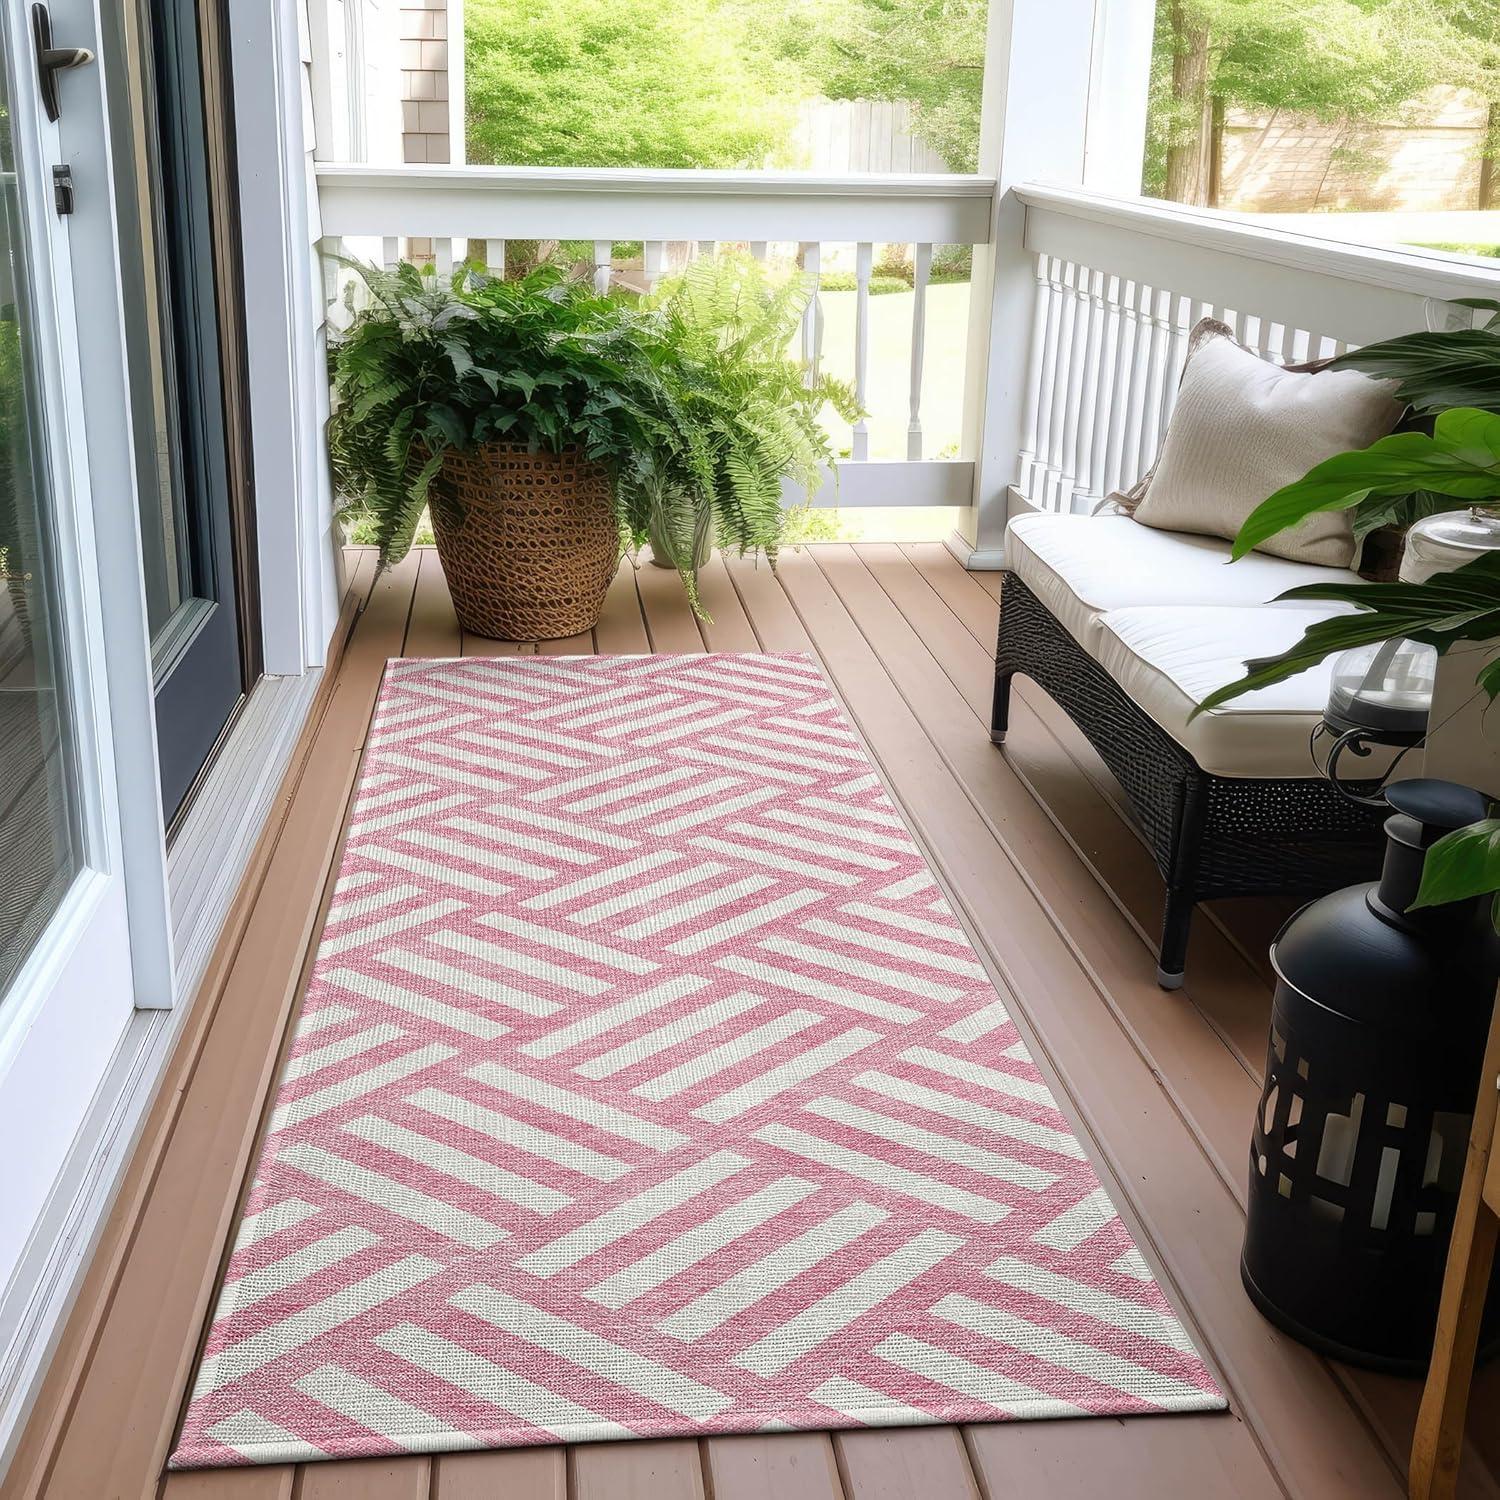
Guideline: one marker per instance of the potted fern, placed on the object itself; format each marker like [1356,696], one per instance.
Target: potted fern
[545,426]
[752,410]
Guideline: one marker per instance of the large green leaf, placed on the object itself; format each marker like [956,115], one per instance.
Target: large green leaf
[1462,864]
[1461,459]
[1463,605]
[1434,371]
[1321,639]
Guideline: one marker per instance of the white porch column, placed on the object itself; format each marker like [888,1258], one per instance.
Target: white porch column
[1065,101]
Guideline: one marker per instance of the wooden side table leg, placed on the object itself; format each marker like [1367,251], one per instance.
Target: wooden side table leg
[1437,1444]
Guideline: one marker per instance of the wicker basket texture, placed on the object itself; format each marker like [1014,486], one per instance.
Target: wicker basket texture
[529,544]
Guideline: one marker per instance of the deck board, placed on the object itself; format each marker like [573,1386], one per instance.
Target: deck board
[784,1466]
[1161,1087]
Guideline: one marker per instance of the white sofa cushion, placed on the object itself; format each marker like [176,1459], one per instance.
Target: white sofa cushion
[1081,566]
[1168,658]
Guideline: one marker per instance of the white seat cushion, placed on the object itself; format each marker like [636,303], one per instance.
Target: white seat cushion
[1081,566]
[1169,658]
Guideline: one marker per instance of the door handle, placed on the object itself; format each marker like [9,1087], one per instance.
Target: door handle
[50,60]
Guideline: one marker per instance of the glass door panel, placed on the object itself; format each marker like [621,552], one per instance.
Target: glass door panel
[40,840]
[173,347]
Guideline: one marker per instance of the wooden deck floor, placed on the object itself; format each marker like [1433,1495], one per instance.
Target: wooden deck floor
[1058,893]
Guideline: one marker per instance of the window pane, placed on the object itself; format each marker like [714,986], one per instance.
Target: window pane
[39,838]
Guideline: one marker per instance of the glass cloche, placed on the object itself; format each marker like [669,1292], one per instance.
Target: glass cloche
[1383,690]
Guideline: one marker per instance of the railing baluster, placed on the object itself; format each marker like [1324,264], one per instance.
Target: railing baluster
[1160,307]
[603,255]
[390,252]
[442,256]
[921,272]
[1078,372]
[494,258]
[1046,385]
[1097,391]
[1181,316]
[1040,305]
[651,263]
[1123,388]
[1058,428]
[864,257]
[812,314]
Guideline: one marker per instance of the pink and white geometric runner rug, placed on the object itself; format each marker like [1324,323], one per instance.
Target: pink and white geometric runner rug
[647,1085]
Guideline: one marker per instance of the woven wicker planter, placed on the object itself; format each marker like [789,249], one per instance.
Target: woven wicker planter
[529,543]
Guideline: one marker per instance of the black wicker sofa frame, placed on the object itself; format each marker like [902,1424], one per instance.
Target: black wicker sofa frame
[1211,836]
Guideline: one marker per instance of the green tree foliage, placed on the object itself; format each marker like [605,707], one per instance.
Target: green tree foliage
[929,53]
[709,83]
[1358,61]
[619,83]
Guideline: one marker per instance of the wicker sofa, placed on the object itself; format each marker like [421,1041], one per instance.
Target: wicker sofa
[1126,628]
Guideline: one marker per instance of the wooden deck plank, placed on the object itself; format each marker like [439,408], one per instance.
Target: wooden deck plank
[366,1479]
[959,589]
[729,628]
[359,570]
[899,1463]
[515,1474]
[268,1482]
[621,630]
[988,579]
[1129,1459]
[432,629]
[670,1469]
[774,1466]
[1299,1412]
[671,623]
[126,1409]
[581,644]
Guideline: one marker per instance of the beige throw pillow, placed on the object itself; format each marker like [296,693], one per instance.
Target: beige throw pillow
[1244,427]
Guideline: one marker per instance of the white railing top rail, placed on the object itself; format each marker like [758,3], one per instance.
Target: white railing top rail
[1175,245]
[584,203]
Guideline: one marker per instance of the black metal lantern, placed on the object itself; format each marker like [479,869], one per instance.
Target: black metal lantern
[1377,1032]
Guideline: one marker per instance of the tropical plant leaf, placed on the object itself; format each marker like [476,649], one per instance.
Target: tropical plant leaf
[1460,459]
[1321,639]
[1434,371]
[1461,864]
[1463,605]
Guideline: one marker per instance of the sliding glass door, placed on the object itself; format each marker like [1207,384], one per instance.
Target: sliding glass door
[179,248]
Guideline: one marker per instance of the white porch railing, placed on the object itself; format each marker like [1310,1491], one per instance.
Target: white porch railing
[470,212]
[1119,285]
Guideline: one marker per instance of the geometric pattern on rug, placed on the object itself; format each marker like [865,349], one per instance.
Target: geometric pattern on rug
[647,1085]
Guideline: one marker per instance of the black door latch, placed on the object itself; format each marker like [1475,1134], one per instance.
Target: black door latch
[50,60]
[62,189]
